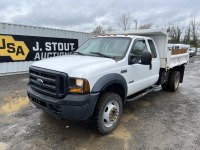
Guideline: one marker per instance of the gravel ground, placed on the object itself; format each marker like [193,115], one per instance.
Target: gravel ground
[159,121]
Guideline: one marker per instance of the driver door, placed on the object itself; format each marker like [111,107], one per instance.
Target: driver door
[139,76]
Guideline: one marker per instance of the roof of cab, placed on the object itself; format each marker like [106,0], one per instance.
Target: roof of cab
[140,32]
[130,36]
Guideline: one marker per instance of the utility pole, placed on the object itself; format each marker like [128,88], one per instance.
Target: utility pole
[135,24]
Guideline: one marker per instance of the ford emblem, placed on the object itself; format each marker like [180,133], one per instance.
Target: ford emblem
[39,81]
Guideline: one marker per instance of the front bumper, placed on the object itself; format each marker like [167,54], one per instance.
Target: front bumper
[72,106]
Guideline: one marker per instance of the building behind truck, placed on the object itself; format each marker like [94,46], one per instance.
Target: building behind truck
[21,45]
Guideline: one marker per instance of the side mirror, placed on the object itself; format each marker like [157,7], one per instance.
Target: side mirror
[146,58]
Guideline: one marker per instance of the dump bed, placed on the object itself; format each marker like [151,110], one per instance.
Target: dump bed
[170,55]
[178,54]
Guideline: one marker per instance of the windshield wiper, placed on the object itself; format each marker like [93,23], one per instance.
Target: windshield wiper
[77,53]
[100,54]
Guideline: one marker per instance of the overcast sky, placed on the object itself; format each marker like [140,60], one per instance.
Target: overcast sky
[84,15]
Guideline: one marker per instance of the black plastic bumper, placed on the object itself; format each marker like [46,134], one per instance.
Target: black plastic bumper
[73,106]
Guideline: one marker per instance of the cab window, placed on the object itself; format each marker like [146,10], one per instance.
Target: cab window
[138,47]
[152,48]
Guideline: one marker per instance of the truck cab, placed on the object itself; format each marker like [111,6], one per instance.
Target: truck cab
[103,74]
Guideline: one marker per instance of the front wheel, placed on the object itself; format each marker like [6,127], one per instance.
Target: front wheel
[107,113]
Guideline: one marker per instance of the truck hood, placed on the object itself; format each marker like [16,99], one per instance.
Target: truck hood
[74,65]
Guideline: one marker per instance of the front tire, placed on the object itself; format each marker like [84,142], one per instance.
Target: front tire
[107,113]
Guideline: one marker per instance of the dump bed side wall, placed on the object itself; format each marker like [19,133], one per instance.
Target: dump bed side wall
[177,54]
[177,60]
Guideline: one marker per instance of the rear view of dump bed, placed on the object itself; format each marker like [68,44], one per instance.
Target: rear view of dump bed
[171,55]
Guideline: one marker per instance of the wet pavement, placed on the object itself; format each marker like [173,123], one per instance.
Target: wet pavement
[159,121]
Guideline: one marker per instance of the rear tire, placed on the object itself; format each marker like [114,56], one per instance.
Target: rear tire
[107,113]
[173,82]
[165,86]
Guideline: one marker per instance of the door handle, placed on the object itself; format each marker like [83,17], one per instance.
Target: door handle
[123,71]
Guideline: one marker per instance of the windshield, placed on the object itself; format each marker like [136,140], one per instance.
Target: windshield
[107,46]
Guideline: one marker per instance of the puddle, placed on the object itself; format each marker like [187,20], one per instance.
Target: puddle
[127,117]
[12,104]
[144,103]
[191,61]
[20,91]
[83,149]
[3,146]
[123,134]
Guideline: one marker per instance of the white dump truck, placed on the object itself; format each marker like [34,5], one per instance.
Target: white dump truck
[105,73]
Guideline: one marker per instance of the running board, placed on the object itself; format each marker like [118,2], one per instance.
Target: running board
[140,94]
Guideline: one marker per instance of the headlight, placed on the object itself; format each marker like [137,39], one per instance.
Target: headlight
[77,85]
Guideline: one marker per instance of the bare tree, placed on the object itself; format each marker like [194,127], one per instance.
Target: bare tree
[186,39]
[174,33]
[146,26]
[125,21]
[194,33]
[98,30]
[110,28]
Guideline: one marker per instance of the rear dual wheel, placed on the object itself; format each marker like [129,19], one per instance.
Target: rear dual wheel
[173,82]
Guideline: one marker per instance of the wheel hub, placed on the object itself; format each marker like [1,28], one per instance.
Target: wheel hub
[111,113]
[177,81]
